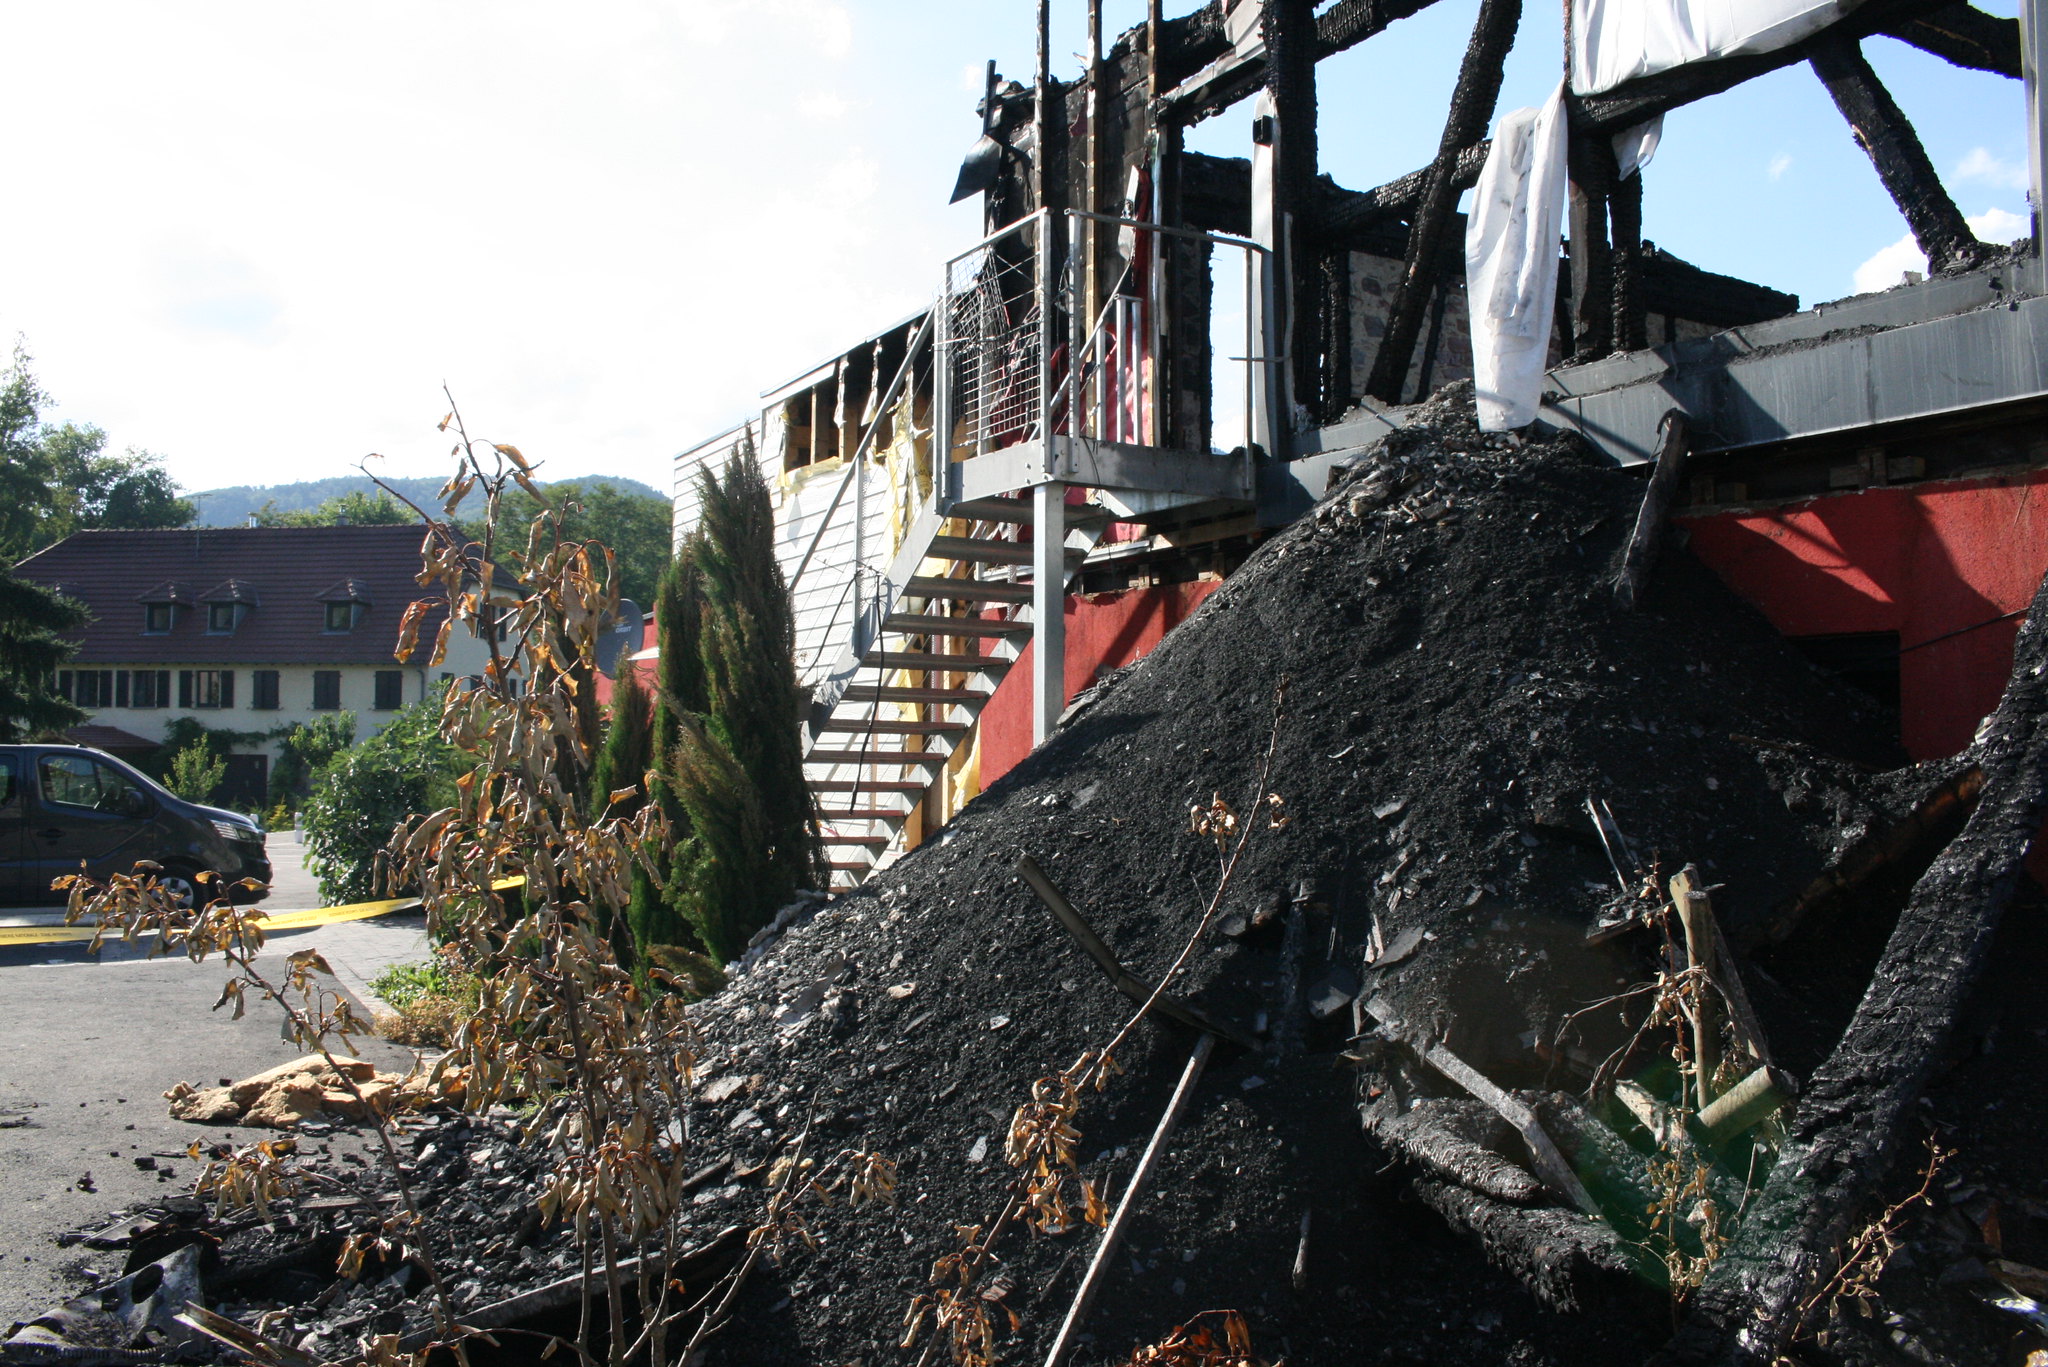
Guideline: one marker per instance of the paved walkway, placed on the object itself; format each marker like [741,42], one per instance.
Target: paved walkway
[88,1046]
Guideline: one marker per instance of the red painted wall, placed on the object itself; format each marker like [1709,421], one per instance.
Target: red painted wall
[1921,560]
[1105,631]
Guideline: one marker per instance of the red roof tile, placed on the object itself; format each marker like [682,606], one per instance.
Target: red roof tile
[289,574]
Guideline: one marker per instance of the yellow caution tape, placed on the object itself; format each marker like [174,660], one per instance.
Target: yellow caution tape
[284,920]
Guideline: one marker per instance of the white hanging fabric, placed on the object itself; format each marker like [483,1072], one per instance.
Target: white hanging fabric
[1633,147]
[1511,254]
[1618,40]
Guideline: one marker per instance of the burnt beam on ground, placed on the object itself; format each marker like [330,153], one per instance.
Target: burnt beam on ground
[1965,36]
[1881,129]
[1852,1117]
[1472,104]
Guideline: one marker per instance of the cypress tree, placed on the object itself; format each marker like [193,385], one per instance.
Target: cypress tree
[738,760]
[678,695]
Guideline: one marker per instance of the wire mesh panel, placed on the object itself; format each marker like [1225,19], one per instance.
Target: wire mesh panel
[993,337]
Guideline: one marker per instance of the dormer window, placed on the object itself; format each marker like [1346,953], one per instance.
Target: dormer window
[160,607]
[228,605]
[345,615]
[345,605]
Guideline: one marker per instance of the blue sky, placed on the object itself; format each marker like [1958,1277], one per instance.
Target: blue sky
[260,236]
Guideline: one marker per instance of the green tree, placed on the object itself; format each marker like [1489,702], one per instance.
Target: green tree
[303,751]
[352,509]
[196,771]
[737,767]
[32,619]
[56,480]
[366,790]
[635,526]
[678,694]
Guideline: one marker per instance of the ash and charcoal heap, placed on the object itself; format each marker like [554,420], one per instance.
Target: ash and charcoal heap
[1460,683]
[1489,772]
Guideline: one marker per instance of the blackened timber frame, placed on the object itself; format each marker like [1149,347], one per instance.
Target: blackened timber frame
[1472,103]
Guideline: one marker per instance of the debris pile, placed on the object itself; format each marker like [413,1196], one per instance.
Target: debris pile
[1452,1103]
[291,1094]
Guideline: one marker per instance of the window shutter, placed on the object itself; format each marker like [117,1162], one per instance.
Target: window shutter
[163,688]
[184,688]
[64,684]
[227,688]
[121,689]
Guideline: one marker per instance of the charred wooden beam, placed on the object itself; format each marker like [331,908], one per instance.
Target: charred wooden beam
[1348,213]
[1198,94]
[1635,101]
[1288,27]
[1472,103]
[1881,129]
[1965,36]
[1625,215]
[1592,287]
[1852,1118]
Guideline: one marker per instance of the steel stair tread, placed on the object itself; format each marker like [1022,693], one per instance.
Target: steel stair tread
[891,727]
[895,693]
[934,662]
[921,624]
[893,759]
[867,785]
[967,590]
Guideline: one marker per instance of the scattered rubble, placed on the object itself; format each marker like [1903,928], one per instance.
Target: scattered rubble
[1492,771]
[289,1095]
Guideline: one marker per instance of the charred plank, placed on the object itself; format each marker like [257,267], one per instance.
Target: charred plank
[1851,1118]
[1966,36]
[1472,104]
[1881,129]
[1634,101]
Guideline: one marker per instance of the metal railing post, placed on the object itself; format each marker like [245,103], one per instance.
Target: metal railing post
[1048,607]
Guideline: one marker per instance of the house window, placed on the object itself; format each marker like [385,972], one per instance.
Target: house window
[91,687]
[149,688]
[263,690]
[156,618]
[341,616]
[390,690]
[220,617]
[326,690]
[209,688]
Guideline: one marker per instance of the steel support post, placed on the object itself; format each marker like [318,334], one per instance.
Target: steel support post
[2033,32]
[1048,607]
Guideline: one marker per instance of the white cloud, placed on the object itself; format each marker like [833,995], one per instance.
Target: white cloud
[1985,166]
[1780,164]
[1888,266]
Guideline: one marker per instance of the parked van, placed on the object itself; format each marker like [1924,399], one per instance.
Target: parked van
[62,806]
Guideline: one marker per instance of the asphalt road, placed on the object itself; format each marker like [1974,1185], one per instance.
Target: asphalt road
[87,1049]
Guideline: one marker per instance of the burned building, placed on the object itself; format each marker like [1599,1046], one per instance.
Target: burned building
[988,505]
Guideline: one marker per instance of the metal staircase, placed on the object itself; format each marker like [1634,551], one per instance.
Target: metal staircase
[985,564]
[950,628]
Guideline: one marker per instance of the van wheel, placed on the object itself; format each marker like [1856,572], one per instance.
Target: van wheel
[181,885]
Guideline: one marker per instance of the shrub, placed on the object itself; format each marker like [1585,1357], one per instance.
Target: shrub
[306,748]
[196,771]
[429,1000]
[362,793]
